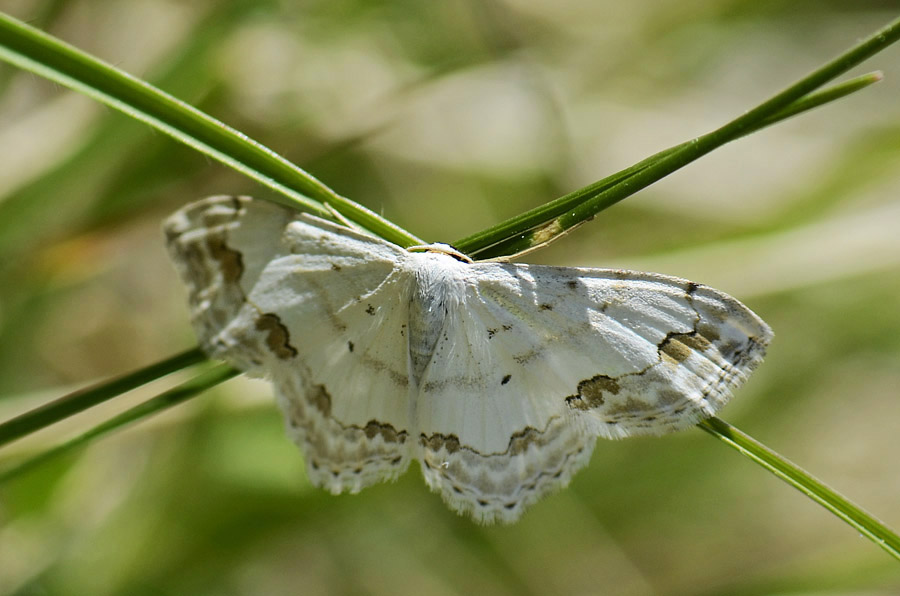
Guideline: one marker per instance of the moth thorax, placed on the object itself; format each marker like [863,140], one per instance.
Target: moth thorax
[434,305]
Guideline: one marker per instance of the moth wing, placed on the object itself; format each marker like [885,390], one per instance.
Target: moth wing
[542,360]
[219,246]
[318,309]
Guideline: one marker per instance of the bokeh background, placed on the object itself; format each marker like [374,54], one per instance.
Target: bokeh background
[448,117]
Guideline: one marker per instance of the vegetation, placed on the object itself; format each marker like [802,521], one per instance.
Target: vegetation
[446,118]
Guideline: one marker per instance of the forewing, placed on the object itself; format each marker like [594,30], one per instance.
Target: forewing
[220,245]
[319,310]
[542,360]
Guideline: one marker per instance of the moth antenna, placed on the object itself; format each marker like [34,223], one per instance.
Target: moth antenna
[337,215]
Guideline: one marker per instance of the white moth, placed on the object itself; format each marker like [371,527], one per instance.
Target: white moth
[497,377]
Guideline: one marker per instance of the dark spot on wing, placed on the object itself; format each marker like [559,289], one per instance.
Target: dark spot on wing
[545,306]
[229,260]
[387,432]
[695,341]
[197,268]
[319,397]
[335,267]
[438,441]
[350,345]
[674,349]
[731,350]
[370,310]
[708,331]
[236,203]
[519,441]
[572,285]
[277,337]
[590,392]
[505,379]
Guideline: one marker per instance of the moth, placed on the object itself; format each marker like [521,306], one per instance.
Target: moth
[497,377]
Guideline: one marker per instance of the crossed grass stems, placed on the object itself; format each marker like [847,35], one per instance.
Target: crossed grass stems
[42,54]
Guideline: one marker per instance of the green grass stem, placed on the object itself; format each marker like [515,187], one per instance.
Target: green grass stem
[78,401]
[47,56]
[864,523]
[165,400]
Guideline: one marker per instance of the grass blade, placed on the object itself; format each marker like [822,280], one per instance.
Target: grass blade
[531,229]
[165,400]
[541,225]
[830,499]
[78,401]
[42,54]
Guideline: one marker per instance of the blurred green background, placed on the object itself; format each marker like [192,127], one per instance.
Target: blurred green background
[448,117]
